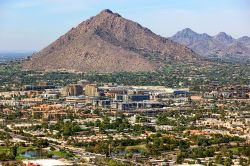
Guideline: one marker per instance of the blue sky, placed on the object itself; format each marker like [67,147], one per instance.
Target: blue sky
[30,25]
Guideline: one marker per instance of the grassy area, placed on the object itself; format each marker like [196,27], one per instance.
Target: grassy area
[110,162]
[21,158]
[137,148]
[3,149]
[235,150]
[62,154]
[21,149]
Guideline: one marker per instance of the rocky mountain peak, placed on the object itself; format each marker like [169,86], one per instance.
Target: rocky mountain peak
[190,34]
[187,32]
[106,12]
[224,38]
[244,40]
[223,34]
[108,42]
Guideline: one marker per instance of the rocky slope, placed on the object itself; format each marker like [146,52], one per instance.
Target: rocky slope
[109,43]
[222,45]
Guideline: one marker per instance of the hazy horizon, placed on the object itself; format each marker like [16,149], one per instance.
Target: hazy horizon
[32,25]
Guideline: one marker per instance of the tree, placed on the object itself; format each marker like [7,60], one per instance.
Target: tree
[218,159]
[97,123]
[228,162]
[13,150]
[180,158]
[41,143]
[184,145]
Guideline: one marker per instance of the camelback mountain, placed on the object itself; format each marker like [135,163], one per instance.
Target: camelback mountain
[109,43]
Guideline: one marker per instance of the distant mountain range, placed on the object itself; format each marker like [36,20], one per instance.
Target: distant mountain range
[222,46]
[110,43]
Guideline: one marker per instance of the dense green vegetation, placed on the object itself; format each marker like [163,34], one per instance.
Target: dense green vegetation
[215,139]
[174,75]
[120,124]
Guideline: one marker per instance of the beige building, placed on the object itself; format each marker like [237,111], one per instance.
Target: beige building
[91,90]
[72,90]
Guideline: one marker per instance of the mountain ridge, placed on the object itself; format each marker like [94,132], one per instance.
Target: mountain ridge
[109,43]
[221,45]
